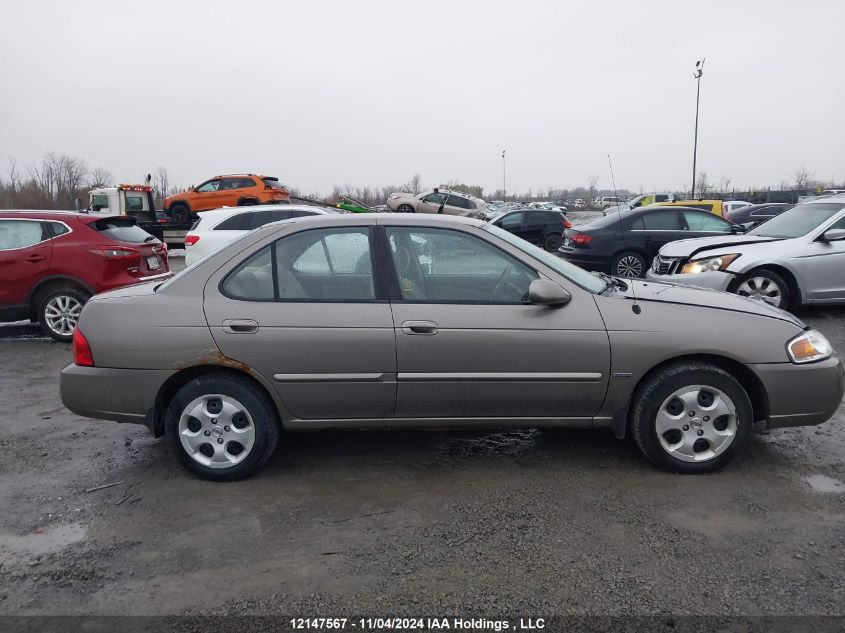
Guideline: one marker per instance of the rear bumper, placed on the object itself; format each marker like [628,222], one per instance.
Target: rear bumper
[587,262]
[802,395]
[715,280]
[122,395]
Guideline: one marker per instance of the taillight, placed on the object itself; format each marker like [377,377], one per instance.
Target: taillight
[580,239]
[567,224]
[81,350]
[119,253]
[190,240]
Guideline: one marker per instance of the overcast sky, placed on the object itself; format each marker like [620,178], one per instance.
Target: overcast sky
[370,93]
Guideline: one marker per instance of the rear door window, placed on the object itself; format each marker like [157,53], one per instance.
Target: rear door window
[659,221]
[21,233]
[511,220]
[239,222]
[260,218]
[122,230]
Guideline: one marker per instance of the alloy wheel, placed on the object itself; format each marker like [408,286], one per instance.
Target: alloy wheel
[216,431]
[629,266]
[761,288]
[696,423]
[62,314]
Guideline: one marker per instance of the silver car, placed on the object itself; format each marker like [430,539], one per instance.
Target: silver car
[795,258]
[436,201]
[396,320]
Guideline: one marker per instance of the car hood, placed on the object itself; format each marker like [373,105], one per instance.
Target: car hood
[695,246]
[663,292]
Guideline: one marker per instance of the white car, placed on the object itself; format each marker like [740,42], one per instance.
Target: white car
[218,227]
[733,205]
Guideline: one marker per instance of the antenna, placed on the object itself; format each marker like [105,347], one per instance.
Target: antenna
[636,307]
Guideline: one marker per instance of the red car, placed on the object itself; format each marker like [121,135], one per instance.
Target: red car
[51,262]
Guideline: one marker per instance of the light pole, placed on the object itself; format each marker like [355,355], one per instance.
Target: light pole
[504,180]
[699,70]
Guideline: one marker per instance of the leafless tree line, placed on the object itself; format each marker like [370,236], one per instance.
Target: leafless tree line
[57,180]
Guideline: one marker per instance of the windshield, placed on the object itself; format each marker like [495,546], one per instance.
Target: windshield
[798,220]
[586,280]
[122,230]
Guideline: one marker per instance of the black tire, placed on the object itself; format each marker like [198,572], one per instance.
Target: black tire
[627,263]
[247,202]
[745,286]
[404,208]
[553,242]
[63,300]
[180,213]
[264,422]
[652,394]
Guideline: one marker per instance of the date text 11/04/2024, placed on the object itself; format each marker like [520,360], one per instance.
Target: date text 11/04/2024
[420,624]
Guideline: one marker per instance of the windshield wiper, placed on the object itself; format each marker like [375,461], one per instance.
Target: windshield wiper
[611,281]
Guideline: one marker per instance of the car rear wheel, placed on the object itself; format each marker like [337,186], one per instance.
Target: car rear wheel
[222,427]
[691,418]
[628,264]
[764,285]
[553,242]
[59,310]
[405,208]
[180,213]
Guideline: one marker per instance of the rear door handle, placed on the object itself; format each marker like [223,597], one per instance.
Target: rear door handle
[35,258]
[419,327]
[240,326]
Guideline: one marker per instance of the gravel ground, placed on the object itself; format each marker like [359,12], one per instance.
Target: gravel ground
[537,522]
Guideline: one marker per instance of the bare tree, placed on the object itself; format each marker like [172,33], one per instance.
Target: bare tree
[415,184]
[724,184]
[702,185]
[100,177]
[803,178]
[593,182]
[161,185]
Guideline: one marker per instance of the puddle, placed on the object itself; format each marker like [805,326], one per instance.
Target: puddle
[823,483]
[40,542]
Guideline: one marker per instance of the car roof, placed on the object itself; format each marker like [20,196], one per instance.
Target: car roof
[839,197]
[51,214]
[252,208]
[242,176]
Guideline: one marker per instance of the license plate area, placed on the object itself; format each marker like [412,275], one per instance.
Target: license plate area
[153,263]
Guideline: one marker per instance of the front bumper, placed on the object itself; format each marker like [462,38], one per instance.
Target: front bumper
[715,280]
[122,395]
[802,395]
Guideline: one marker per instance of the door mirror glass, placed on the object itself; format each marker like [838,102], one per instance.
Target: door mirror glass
[545,292]
[833,235]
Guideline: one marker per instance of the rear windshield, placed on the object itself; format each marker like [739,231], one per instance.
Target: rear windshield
[273,183]
[122,230]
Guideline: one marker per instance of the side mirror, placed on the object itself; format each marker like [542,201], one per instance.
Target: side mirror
[833,235]
[738,228]
[545,292]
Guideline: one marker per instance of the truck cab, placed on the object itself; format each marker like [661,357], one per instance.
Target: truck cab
[137,201]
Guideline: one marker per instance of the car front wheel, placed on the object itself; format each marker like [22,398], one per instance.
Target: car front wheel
[691,418]
[222,427]
[764,285]
[404,208]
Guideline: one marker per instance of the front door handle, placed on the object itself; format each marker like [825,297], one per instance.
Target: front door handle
[419,327]
[240,326]
[35,258]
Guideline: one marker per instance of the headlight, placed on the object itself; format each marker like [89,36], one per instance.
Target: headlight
[707,265]
[808,347]
[393,196]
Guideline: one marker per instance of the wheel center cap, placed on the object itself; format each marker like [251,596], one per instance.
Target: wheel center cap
[695,423]
[217,431]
